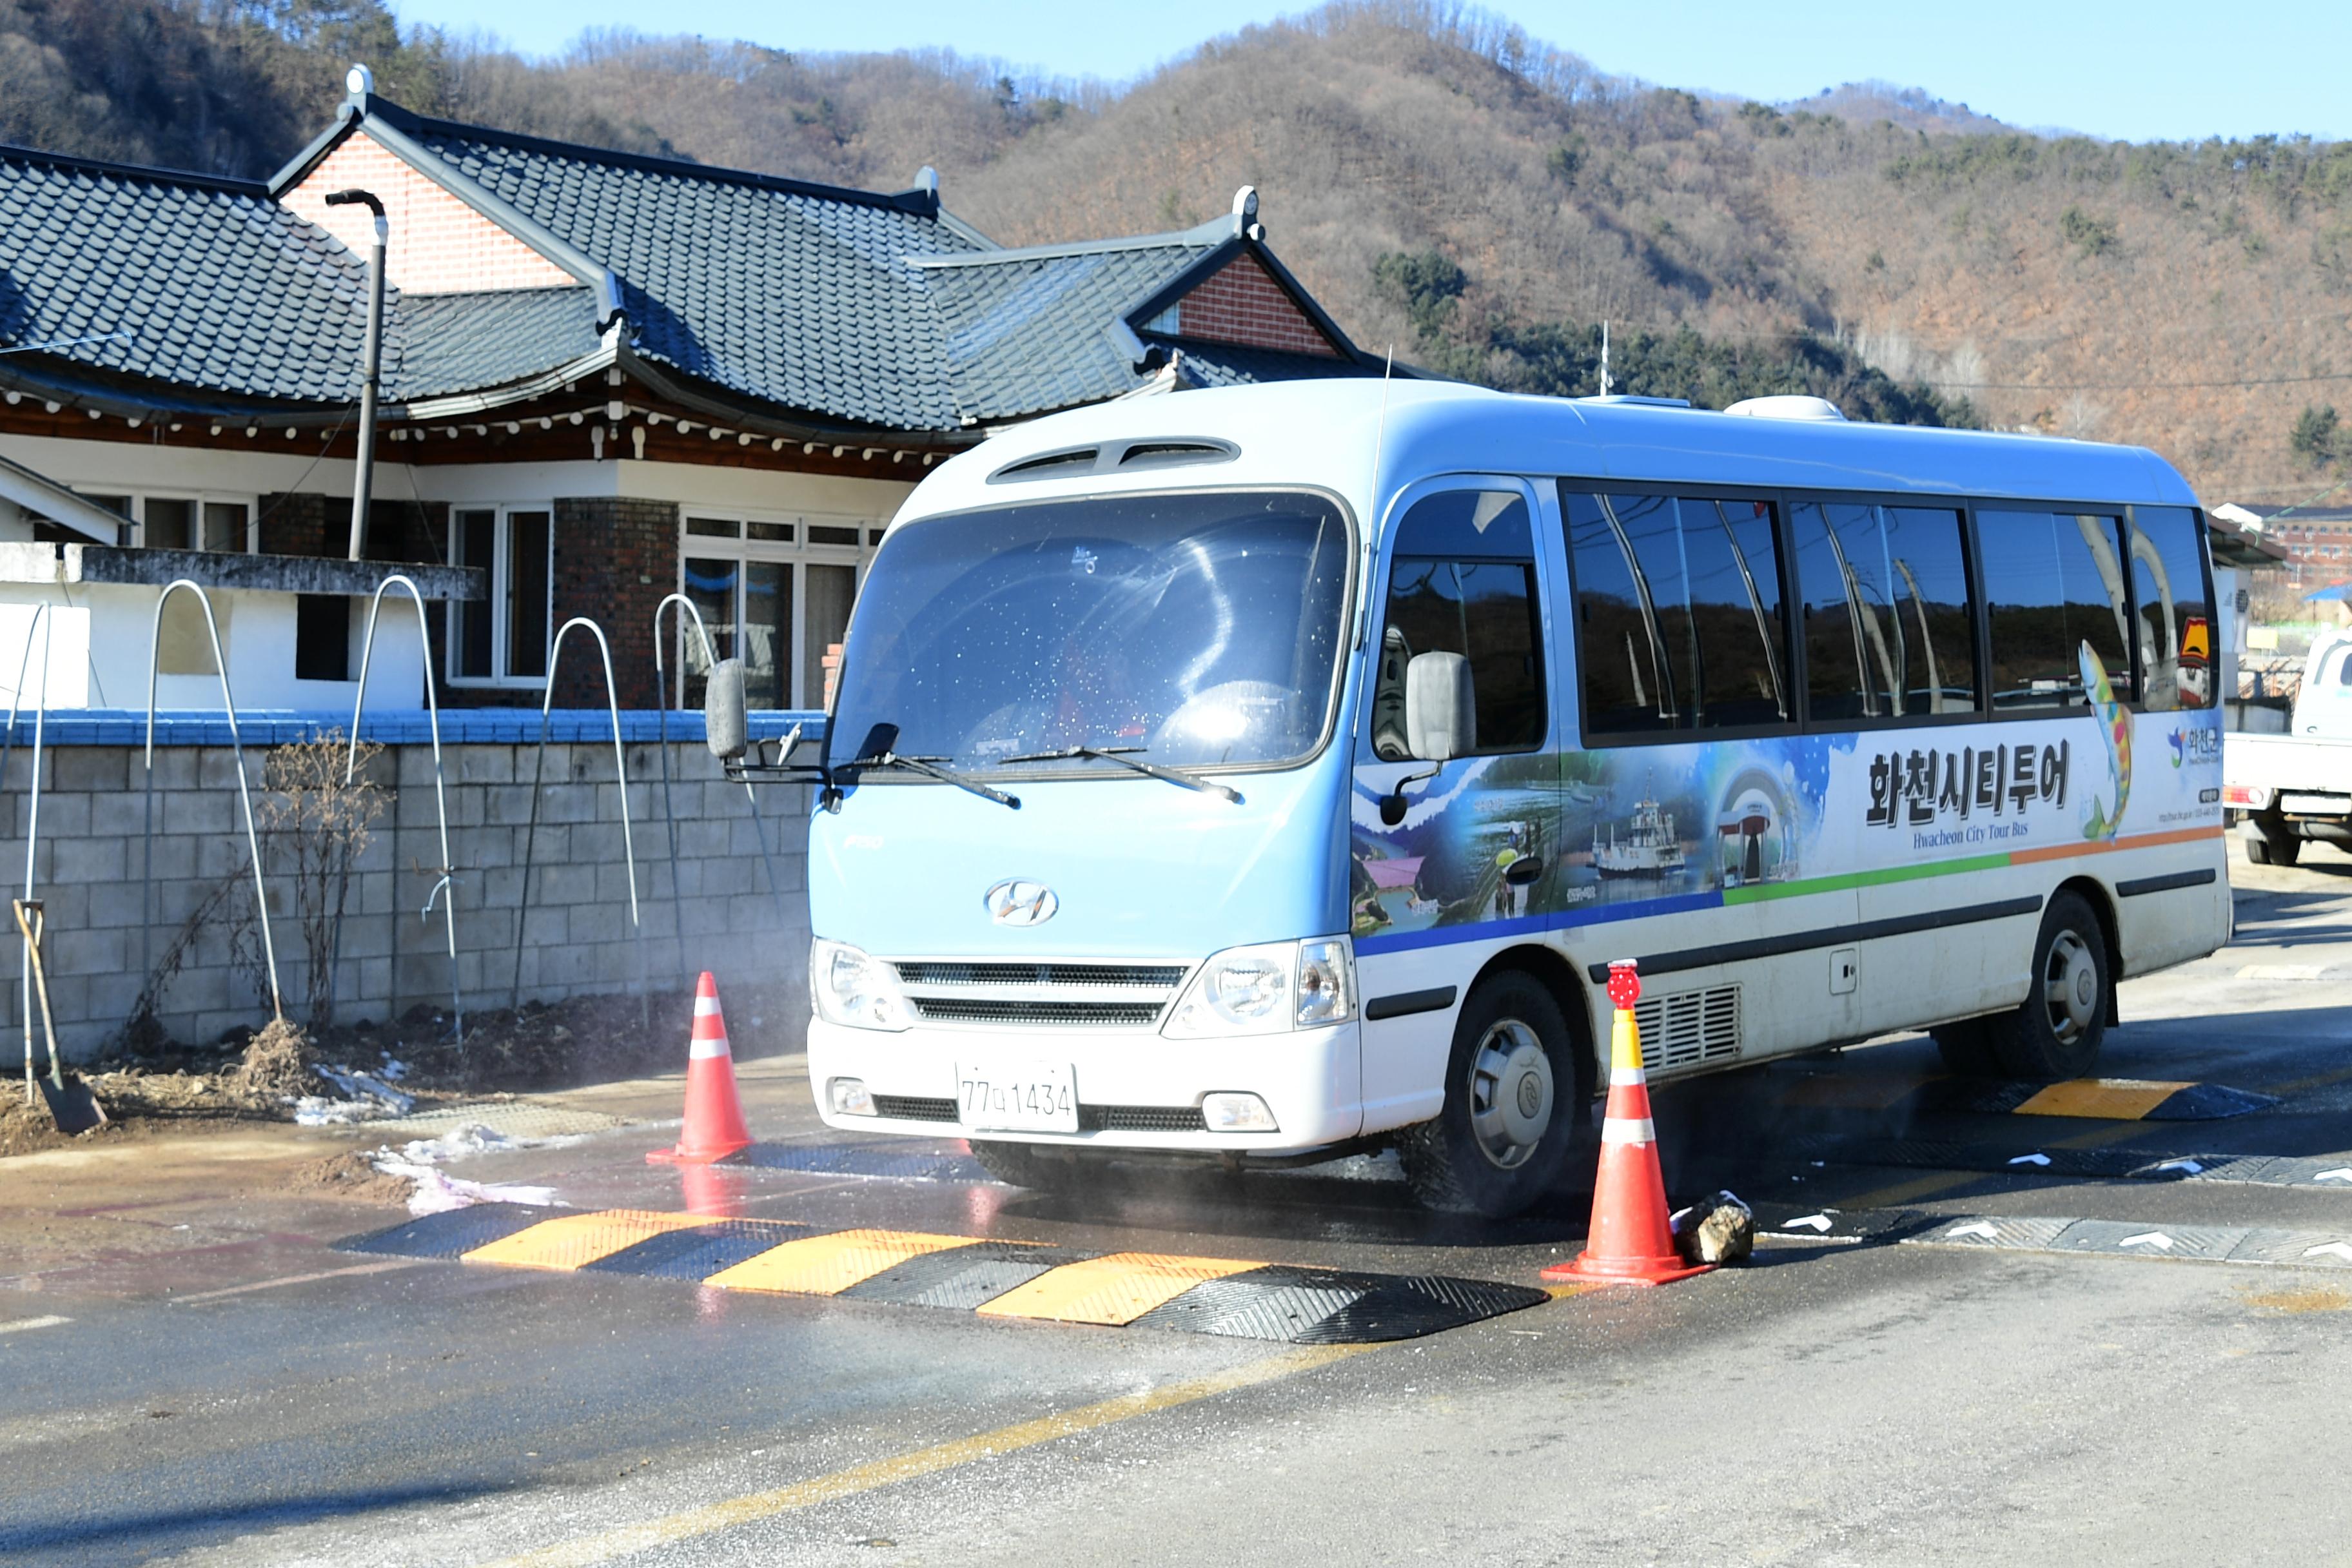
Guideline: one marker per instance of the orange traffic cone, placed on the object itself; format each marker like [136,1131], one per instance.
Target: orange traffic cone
[1631,1241]
[714,1117]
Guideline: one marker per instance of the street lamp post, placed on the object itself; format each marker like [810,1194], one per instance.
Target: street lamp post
[365,481]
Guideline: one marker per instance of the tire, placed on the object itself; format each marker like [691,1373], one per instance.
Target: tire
[1514,1104]
[1037,1166]
[1965,1047]
[2056,1033]
[2271,844]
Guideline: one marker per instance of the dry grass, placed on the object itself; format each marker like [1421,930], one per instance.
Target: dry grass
[2300,1298]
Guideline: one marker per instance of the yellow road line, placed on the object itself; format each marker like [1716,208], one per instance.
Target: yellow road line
[1113,1290]
[2108,1099]
[827,1265]
[577,1240]
[752,1506]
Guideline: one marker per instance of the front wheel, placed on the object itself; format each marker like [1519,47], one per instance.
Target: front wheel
[2056,1033]
[1512,1104]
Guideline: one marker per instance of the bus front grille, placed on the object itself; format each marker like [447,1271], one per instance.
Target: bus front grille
[993,1010]
[1052,992]
[1091,1117]
[1091,976]
[1687,1028]
[914,1108]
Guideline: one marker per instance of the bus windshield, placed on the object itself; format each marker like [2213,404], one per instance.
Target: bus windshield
[1191,629]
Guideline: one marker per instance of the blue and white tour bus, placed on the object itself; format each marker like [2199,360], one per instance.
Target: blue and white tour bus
[1263,771]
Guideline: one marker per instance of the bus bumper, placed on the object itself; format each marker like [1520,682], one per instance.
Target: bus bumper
[1310,1078]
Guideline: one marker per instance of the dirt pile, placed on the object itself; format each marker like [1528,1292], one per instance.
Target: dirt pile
[276,1064]
[350,1174]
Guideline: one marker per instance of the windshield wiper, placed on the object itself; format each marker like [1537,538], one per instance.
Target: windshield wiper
[928,768]
[1124,757]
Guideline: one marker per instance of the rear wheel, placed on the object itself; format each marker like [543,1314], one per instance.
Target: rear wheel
[1040,1166]
[2271,846]
[1512,1104]
[2056,1033]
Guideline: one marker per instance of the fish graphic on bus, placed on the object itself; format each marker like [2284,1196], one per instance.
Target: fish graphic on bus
[2114,729]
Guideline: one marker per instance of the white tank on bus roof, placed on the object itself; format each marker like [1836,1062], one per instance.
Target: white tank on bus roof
[1787,405]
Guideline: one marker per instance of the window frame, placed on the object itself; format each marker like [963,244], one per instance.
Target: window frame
[1544,523]
[1784,499]
[501,534]
[135,525]
[806,687]
[1790,651]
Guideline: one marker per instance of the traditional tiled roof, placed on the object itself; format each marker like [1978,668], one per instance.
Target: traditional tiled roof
[440,344]
[207,284]
[774,298]
[1028,330]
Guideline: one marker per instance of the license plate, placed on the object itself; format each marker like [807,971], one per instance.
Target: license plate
[1016,1097]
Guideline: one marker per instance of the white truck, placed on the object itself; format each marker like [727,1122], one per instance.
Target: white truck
[2285,789]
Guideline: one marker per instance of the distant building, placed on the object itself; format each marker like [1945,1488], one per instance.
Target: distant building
[607,378]
[2318,538]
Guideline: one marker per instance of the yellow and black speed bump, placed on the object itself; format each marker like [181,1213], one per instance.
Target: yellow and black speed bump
[1237,1297]
[697,1251]
[2094,1098]
[452,1233]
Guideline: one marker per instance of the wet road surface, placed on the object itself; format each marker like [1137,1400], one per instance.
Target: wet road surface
[1880,1391]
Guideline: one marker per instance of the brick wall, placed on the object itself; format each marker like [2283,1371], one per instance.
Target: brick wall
[438,245]
[577,940]
[1242,303]
[615,559]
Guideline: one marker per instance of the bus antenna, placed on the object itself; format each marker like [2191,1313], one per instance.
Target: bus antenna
[1604,358]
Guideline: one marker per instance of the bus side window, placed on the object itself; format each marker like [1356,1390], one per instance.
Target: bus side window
[2173,613]
[1678,613]
[1463,580]
[1889,631]
[2053,581]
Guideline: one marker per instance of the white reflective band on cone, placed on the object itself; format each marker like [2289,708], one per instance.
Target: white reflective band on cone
[705,1007]
[1627,1130]
[1627,1078]
[702,1048]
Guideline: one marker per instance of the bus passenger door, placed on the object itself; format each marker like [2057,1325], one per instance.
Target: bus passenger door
[1454,815]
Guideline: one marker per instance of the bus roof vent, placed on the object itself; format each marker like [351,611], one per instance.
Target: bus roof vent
[1788,405]
[1173,454]
[1636,401]
[1049,466]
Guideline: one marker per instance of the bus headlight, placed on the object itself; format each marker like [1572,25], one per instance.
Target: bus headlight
[1268,989]
[849,988]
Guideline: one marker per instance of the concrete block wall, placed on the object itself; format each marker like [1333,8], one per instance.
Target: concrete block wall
[717,911]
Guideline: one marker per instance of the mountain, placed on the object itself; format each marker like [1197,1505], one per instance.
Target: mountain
[1441,181]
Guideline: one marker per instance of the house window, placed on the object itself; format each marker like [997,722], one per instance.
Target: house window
[221,524]
[502,640]
[773,592]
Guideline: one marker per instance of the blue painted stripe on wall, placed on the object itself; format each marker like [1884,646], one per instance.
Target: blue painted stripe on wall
[1527,925]
[462,726]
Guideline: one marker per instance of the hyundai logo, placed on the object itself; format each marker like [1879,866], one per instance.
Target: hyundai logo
[1017,901]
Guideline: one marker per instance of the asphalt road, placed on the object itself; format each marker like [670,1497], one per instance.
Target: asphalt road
[1839,1400]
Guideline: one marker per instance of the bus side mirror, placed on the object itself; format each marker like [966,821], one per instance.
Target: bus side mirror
[1440,712]
[722,710]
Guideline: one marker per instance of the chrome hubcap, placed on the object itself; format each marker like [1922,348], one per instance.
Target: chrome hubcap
[1510,1094]
[2070,987]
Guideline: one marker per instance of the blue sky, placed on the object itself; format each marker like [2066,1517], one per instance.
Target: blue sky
[2153,69]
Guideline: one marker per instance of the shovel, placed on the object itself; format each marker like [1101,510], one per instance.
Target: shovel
[71,1105]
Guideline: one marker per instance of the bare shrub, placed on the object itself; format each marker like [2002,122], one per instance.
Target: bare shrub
[317,827]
